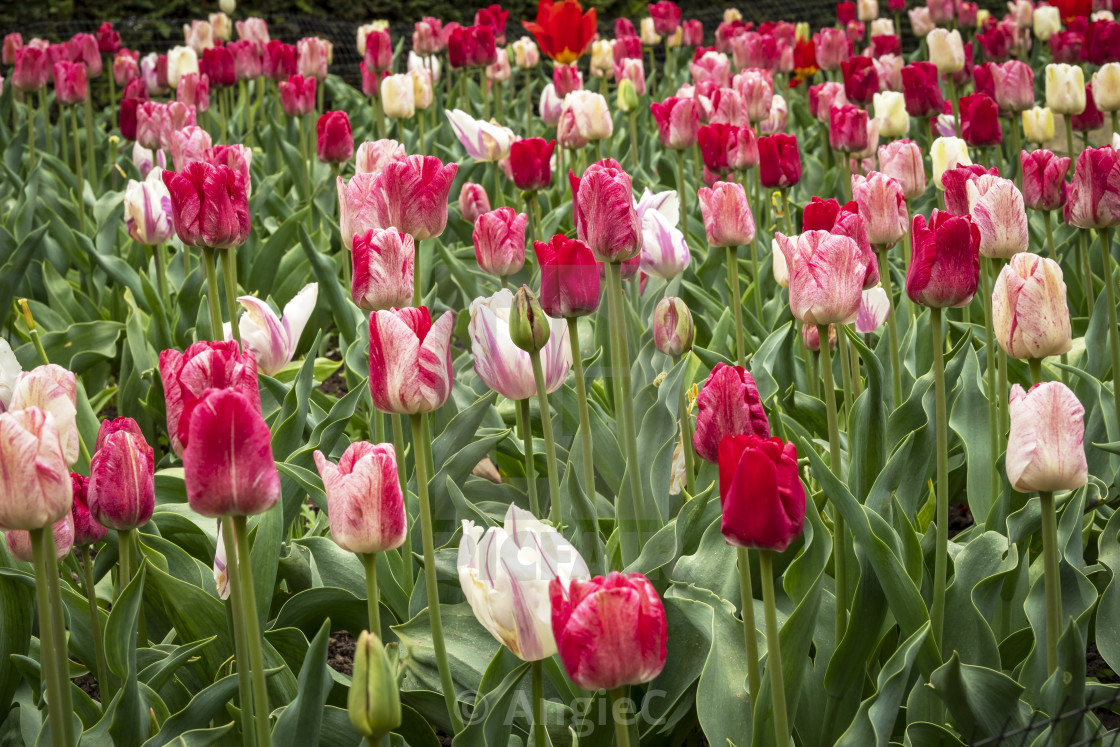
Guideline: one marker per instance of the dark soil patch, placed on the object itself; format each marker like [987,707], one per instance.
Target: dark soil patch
[108,412]
[335,385]
[1095,666]
[88,684]
[340,652]
[960,518]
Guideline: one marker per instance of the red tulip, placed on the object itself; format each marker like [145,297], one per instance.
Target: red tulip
[411,194]
[1066,47]
[86,530]
[954,181]
[980,125]
[108,40]
[570,281]
[31,69]
[217,62]
[1094,193]
[279,60]
[1104,42]
[624,29]
[779,161]
[188,375]
[409,360]
[861,80]
[121,490]
[471,46]
[728,404]
[885,44]
[335,143]
[499,241]
[384,262]
[1090,118]
[845,11]
[1044,179]
[760,492]
[666,16]
[610,631]
[209,205]
[530,161]
[677,121]
[996,43]
[127,118]
[605,216]
[626,47]
[70,83]
[715,141]
[847,129]
[945,262]
[82,48]
[297,95]
[379,51]
[247,61]
[494,17]
[227,462]
[562,30]
[921,89]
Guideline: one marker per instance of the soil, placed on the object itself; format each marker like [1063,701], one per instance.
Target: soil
[960,518]
[335,384]
[340,652]
[88,684]
[1095,666]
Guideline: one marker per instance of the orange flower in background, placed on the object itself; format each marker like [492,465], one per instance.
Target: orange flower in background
[563,31]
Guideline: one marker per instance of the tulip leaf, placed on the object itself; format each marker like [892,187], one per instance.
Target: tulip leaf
[300,722]
[1108,608]
[17,614]
[129,722]
[346,316]
[208,705]
[493,716]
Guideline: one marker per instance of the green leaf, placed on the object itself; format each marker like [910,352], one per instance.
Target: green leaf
[129,723]
[299,724]
[983,702]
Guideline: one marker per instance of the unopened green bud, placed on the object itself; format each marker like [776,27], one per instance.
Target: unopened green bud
[673,329]
[374,703]
[528,325]
[627,96]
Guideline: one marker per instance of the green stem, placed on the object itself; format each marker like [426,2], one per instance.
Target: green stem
[539,729]
[1052,580]
[379,115]
[252,625]
[786,212]
[584,416]
[956,104]
[857,381]
[633,119]
[159,250]
[58,636]
[422,446]
[373,598]
[1069,140]
[839,546]
[229,273]
[48,652]
[993,391]
[621,728]
[103,681]
[681,192]
[525,422]
[528,100]
[90,165]
[210,267]
[1087,272]
[124,550]
[750,637]
[1049,234]
[892,325]
[1110,304]
[402,475]
[845,370]
[1016,149]
[940,562]
[686,434]
[1036,370]
[241,657]
[417,285]
[484,89]
[81,204]
[549,443]
[31,133]
[737,304]
[774,650]
[303,153]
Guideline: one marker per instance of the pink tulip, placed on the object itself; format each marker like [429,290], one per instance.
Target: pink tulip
[297,95]
[565,79]
[83,50]
[384,266]
[86,530]
[996,207]
[1014,85]
[945,261]
[35,487]
[209,205]
[827,273]
[314,55]
[473,201]
[604,212]
[54,390]
[247,62]
[757,89]
[883,207]
[499,241]
[254,30]
[13,42]
[727,216]
[411,194]
[1030,317]
[1046,444]
[1044,179]
[902,160]
[121,492]
[373,156]
[847,130]
[19,541]
[335,142]
[832,48]
[677,121]
[955,181]
[194,90]
[409,360]
[728,404]
[70,83]
[823,97]
[1094,193]
[188,145]
[364,499]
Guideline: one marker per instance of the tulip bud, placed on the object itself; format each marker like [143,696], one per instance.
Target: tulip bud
[374,703]
[727,215]
[627,96]
[409,359]
[1065,88]
[1046,443]
[946,50]
[1047,20]
[948,153]
[499,241]
[1038,125]
[528,325]
[673,328]
[1029,312]
[874,308]
[570,283]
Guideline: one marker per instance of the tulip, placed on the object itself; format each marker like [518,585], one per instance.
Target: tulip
[779,161]
[423,96]
[874,308]
[761,496]
[980,125]
[199,36]
[364,499]
[609,631]
[194,91]
[374,701]
[499,241]
[861,80]
[10,370]
[1014,85]
[677,122]
[254,30]
[996,207]
[384,267]
[37,490]
[1045,447]
[823,97]
[713,66]
[409,360]
[525,53]
[1029,312]
[1065,89]
[473,201]
[377,49]
[649,35]
[411,194]
[121,488]
[921,89]
[1106,87]
[757,89]
[902,160]
[673,328]
[882,204]
[831,47]
[70,83]
[570,282]
[471,47]
[530,161]
[1038,125]
[19,541]
[13,42]
[1090,117]
[297,95]
[217,64]
[890,109]
[86,530]
[946,50]
[271,339]
[209,205]
[945,263]
[847,130]
[1093,201]
[727,216]
[126,67]
[664,250]
[499,71]
[666,16]
[1044,184]
[397,96]
[605,217]
[54,390]
[247,61]
[181,61]
[728,404]
[483,141]
[313,56]
[591,114]
[948,153]
[1046,21]
[147,210]
[778,118]
[335,142]
[426,37]
[279,60]
[827,275]
[503,365]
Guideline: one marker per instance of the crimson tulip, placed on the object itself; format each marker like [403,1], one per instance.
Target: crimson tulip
[570,283]
[861,80]
[945,260]
[728,404]
[86,530]
[779,161]
[761,496]
[217,62]
[209,205]
[922,90]
[279,60]
[1091,117]
[335,142]
[471,47]
[1044,179]
[379,51]
[1066,47]
[530,162]
[666,16]
[847,130]
[82,48]
[409,360]
[980,125]
[121,491]
[297,95]
[247,61]
[32,69]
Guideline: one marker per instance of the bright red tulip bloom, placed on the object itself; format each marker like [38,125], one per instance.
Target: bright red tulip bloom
[847,129]
[209,205]
[922,91]
[411,194]
[121,491]
[409,360]
[530,162]
[82,48]
[248,63]
[980,125]
[605,217]
[955,181]
[217,63]
[715,142]
[610,631]
[499,241]
[31,69]
[845,11]
[127,118]
[677,121]
[982,80]
[86,530]
[336,142]
[494,17]
[1094,193]
[1104,42]
[945,261]
[996,44]
[760,492]
[666,17]
[186,376]
[1066,47]
[379,51]
[227,464]
[570,282]
[885,44]
[108,40]
[471,46]
[728,404]
[819,214]
[384,264]
[279,60]
[861,80]
[1090,118]
[562,30]
[70,83]
[297,95]
[1044,179]
[779,161]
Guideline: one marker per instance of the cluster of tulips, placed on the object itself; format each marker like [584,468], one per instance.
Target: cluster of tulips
[880,248]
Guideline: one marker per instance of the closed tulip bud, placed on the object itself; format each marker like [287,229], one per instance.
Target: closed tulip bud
[570,283]
[86,530]
[980,124]
[485,142]
[528,325]
[605,216]
[890,109]
[1044,179]
[945,261]
[13,42]
[530,162]
[335,142]
[473,201]
[253,29]
[279,60]
[677,121]
[313,57]
[811,337]
[1029,313]
[1065,89]
[1046,443]
[757,89]
[946,50]
[861,79]
[126,67]
[364,499]
[19,541]
[499,241]
[374,155]
[728,404]
[397,97]
[627,96]
[1038,125]
[409,360]
[374,701]
[948,153]
[297,95]
[411,194]
[673,328]
[384,267]
[37,490]
[1106,87]
[551,106]
[1093,199]
[827,275]
[270,338]
[779,161]
[427,38]
[209,205]
[761,496]
[996,207]
[649,35]
[422,94]
[1014,85]
[882,205]
[609,631]
[902,160]
[70,83]
[121,488]
[847,131]
[1047,20]
[727,215]
[147,210]
[54,390]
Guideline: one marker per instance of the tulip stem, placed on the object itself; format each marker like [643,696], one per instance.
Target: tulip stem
[892,324]
[752,248]
[750,635]
[406,546]
[584,419]
[30,133]
[1087,272]
[1069,139]
[1036,370]
[209,266]
[124,549]
[737,304]
[528,101]
[1049,234]
[95,624]
[303,156]
[940,561]
[1015,161]
[525,423]
[633,117]
[549,443]
[229,273]
[485,91]
[58,701]
[373,598]
[1110,304]
[774,650]
[436,620]
[252,633]
[845,370]
[420,132]
[990,349]
[241,658]
[1051,579]
[160,252]
[840,538]
[621,728]
[681,192]
[78,169]
[539,729]
[956,104]
[686,433]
